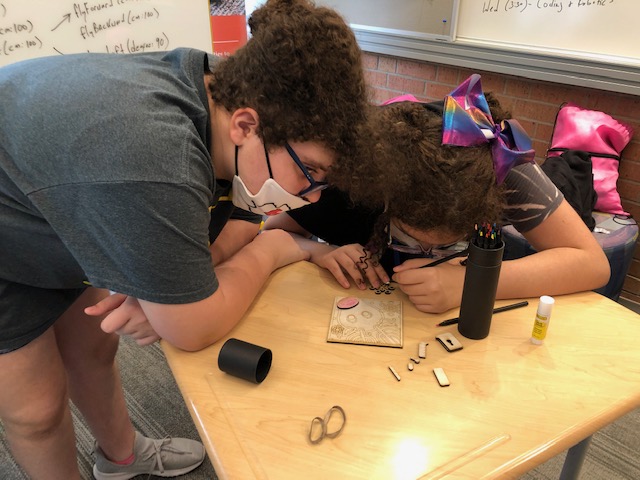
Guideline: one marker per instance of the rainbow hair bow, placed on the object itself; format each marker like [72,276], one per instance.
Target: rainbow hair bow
[467,121]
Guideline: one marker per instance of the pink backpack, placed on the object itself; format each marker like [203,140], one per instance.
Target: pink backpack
[603,137]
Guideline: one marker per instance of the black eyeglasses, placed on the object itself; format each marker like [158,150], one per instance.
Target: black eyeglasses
[432,251]
[314,186]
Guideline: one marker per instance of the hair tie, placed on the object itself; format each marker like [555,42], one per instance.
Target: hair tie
[467,121]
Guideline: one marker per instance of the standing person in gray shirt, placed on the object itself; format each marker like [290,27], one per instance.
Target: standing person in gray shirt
[116,173]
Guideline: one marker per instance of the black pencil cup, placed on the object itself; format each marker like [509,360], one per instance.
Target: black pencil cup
[479,291]
[245,360]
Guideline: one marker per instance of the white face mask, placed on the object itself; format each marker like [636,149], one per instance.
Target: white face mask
[270,200]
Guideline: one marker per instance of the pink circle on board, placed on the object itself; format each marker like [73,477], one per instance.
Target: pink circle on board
[347,302]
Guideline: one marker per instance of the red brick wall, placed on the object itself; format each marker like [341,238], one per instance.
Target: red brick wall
[534,103]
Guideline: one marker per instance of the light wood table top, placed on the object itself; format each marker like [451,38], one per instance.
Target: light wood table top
[511,405]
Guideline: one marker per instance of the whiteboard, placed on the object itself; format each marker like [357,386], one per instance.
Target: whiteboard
[417,18]
[590,43]
[598,30]
[37,28]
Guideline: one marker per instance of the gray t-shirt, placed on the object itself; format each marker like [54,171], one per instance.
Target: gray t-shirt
[530,197]
[105,174]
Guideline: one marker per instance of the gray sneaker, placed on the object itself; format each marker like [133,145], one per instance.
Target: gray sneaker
[168,457]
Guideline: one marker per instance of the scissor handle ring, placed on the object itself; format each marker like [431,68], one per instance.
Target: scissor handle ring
[327,417]
[323,430]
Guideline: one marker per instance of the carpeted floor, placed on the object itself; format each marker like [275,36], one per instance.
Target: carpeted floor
[155,405]
[157,409]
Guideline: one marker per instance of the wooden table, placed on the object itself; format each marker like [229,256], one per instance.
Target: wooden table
[511,405]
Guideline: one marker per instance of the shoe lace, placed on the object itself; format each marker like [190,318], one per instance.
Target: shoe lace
[159,446]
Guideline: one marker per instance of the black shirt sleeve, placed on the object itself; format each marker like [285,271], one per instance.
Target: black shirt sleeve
[336,220]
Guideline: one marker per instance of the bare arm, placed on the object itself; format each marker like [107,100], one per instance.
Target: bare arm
[568,259]
[235,235]
[124,315]
[197,325]
[345,262]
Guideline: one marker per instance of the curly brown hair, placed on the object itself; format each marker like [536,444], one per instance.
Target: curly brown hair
[422,183]
[302,72]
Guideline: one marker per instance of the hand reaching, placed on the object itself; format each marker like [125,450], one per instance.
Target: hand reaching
[349,262]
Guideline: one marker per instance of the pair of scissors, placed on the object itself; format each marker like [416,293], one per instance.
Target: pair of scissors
[323,423]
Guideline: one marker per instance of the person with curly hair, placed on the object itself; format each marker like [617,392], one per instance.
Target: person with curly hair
[438,169]
[148,175]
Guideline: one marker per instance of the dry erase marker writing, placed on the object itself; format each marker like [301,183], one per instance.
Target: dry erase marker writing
[541,323]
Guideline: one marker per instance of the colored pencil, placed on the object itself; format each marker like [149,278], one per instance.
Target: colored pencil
[513,306]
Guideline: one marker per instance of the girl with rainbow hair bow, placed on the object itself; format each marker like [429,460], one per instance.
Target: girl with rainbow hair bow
[438,169]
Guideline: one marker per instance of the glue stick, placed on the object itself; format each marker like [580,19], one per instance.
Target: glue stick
[541,323]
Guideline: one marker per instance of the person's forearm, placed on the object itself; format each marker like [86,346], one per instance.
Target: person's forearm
[313,247]
[553,272]
[197,325]
[304,242]
[233,237]
[569,259]
[240,280]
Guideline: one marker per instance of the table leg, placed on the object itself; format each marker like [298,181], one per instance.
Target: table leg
[574,460]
